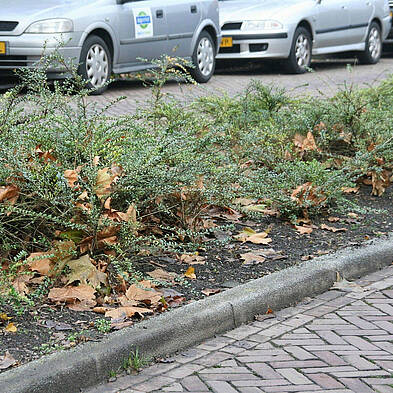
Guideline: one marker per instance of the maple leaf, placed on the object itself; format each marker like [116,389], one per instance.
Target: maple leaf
[7,361]
[190,273]
[85,272]
[249,235]
[11,328]
[304,229]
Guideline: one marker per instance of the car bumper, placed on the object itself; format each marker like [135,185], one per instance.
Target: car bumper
[259,45]
[26,50]
[389,38]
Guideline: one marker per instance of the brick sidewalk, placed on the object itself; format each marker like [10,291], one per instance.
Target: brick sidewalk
[340,341]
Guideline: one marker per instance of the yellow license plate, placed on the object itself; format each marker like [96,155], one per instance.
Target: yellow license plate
[3,48]
[226,42]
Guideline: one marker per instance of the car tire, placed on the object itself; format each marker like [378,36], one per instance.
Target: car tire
[299,59]
[373,50]
[203,58]
[95,64]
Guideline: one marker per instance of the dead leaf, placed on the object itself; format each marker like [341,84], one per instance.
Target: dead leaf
[71,294]
[307,194]
[40,262]
[7,361]
[304,229]
[143,292]
[193,259]
[343,285]
[71,176]
[350,190]
[380,181]
[122,313]
[334,219]
[20,284]
[190,273]
[249,235]
[305,143]
[9,193]
[251,258]
[163,275]
[11,328]
[243,201]
[263,209]
[332,229]
[85,272]
[210,291]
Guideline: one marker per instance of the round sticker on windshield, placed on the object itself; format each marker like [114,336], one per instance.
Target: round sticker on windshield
[143,22]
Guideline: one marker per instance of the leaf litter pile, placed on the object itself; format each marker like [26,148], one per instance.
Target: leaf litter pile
[108,243]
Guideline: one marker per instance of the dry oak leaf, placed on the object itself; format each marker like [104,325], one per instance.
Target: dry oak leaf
[263,209]
[126,312]
[334,219]
[307,192]
[193,259]
[9,193]
[40,262]
[7,361]
[332,229]
[20,284]
[163,275]
[85,272]
[304,143]
[71,294]
[380,181]
[251,258]
[143,292]
[190,273]
[249,235]
[350,190]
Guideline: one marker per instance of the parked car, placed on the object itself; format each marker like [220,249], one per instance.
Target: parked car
[294,30]
[389,38]
[107,36]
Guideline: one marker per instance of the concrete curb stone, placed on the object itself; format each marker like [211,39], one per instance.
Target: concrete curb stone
[89,364]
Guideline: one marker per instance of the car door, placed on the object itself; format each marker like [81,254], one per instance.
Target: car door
[143,31]
[183,18]
[360,13]
[332,23]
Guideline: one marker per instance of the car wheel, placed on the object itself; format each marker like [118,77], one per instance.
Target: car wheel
[203,58]
[95,64]
[373,50]
[299,59]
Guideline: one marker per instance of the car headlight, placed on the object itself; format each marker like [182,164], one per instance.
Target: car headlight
[261,25]
[51,26]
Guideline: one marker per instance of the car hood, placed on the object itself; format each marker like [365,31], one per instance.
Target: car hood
[28,11]
[237,10]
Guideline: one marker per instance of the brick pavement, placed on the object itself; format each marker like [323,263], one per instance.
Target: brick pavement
[338,342]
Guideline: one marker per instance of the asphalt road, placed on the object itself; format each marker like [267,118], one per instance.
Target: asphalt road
[327,78]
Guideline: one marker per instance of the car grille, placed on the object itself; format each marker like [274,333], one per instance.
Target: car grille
[13,61]
[258,47]
[391,3]
[233,49]
[232,26]
[8,26]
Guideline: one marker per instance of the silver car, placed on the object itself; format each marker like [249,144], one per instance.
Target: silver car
[107,36]
[294,30]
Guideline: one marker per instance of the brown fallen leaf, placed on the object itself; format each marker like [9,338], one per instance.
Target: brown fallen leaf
[347,286]
[163,275]
[122,313]
[210,291]
[143,292]
[251,258]
[244,201]
[249,235]
[9,194]
[20,284]
[332,229]
[7,361]
[193,259]
[40,262]
[304,229]
[71,294]
[72,177]
[334,219]
[85,272]
[190,273]
[350,190]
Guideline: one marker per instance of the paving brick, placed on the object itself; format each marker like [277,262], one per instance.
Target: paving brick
[299,353]
[360,374]
[386,325]
[283,343]
[325,381]
[250,390]
[360,323]
[319,311]
[190,355]
[330,358]
[298,320]
[293,388]
[215,343]
[378,381]
[328,370]
[213,358]
[228,377]
[385,389]
[356,385]
[294,376]
[183,371]
[360,343]
[267,358]
[264,370]
[298,364]
[242,332]
[194,384]
[221,387]
[331,337]
[263,382]
[154,384]
[224,370]
[359,362]
[385,364]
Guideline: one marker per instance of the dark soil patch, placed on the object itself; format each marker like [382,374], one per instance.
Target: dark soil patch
[45,329]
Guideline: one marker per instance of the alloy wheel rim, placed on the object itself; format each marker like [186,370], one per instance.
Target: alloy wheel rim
[97,66]
[302,51]
[205,56]
[374,43]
